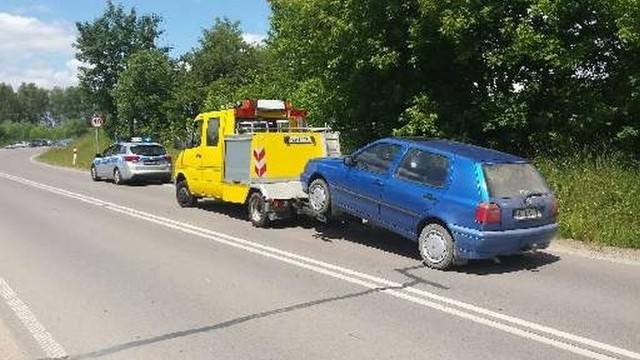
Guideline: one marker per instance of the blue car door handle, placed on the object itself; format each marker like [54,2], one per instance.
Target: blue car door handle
[377,182]
[429,196]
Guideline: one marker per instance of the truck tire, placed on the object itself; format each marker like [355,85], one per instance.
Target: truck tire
[436,247]
[320,197]
[183,195]
[257,207]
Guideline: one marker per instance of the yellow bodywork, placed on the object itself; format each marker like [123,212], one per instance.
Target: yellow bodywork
[227,168]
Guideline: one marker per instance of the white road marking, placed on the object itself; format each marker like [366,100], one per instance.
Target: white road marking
[513,325]
[52,349]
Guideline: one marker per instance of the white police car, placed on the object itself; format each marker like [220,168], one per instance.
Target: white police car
[136,160]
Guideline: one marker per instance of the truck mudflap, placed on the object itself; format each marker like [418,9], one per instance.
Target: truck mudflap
[284,195]
[281,190]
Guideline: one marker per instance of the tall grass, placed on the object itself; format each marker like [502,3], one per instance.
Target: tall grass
[599,197]
[86,150]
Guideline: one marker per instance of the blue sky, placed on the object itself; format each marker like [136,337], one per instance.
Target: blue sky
[36,36]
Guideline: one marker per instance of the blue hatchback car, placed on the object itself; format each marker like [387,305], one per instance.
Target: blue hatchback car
[457,201]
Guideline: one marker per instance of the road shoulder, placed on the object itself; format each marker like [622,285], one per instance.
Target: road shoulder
[9,349]
[594,251]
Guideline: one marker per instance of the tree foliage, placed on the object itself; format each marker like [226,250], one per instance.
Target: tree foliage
[142,93]
[519,75]
[104,47]
[522,75]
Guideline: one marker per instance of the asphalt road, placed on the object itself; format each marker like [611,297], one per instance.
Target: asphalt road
[91,270]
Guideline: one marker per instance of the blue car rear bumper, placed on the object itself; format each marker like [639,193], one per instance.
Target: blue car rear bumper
[475,244]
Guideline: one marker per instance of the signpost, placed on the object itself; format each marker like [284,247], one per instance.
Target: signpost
[97,120]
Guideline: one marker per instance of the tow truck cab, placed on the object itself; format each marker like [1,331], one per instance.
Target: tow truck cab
[251,154]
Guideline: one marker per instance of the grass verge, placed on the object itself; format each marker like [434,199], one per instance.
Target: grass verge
[86,147]
[599,198]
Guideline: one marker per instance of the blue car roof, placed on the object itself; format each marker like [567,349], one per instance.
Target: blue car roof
[472,152]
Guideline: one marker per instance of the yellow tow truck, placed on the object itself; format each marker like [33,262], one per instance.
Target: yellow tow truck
[251,154]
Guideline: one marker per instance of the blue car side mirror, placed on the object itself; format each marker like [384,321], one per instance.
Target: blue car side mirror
[349,161]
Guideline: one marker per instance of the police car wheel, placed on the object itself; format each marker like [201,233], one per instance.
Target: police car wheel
[117,177]
[257,207]
[94,174]
[183,195]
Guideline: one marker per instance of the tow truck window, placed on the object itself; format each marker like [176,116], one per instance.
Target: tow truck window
[213,128]
[195,135]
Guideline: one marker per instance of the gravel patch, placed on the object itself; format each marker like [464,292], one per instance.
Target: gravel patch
[594,251]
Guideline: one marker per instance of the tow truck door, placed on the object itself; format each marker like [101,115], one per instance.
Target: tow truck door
[211,151]
[191,159]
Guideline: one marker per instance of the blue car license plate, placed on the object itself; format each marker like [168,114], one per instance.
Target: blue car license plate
[527,214]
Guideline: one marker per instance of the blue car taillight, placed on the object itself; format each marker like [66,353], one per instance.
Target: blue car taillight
[488,213]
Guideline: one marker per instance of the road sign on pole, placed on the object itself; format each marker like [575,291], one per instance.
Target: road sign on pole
[97,120]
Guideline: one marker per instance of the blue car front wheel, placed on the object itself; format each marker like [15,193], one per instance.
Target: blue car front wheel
[319,197]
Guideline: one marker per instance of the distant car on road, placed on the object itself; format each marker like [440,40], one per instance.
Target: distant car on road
[18,145]
[132,161]
[457,201]
[38,143]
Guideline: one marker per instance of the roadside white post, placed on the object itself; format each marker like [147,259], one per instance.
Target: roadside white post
[75,155]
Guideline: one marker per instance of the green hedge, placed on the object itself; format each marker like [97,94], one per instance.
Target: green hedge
[599,198]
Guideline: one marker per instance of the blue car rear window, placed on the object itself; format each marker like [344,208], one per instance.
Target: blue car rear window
[513,180]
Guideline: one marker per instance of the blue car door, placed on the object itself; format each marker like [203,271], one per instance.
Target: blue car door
[414,190]
[359,191]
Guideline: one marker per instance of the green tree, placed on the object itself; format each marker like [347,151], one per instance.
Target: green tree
[142,93]
[223,62]
[33,102]
[351,57]
[104,46]
[521,75]
[69,104]
[9,106]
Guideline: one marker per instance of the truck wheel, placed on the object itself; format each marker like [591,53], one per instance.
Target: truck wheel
[257,210]
[319,197]
[436,247]
[183,195]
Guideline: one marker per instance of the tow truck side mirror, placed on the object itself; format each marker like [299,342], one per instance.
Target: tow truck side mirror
[349,161]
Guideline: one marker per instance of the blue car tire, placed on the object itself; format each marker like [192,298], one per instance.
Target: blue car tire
[436,247]
[320,197]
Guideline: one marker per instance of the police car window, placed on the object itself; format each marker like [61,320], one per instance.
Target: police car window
[148,150]
[424,167]
[110,150]
[213,128]
[377,158]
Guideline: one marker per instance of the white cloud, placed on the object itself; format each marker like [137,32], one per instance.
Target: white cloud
[32,50]
[253,39]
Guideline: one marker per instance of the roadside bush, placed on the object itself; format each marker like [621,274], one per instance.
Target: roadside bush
[22,131]
[599,197]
